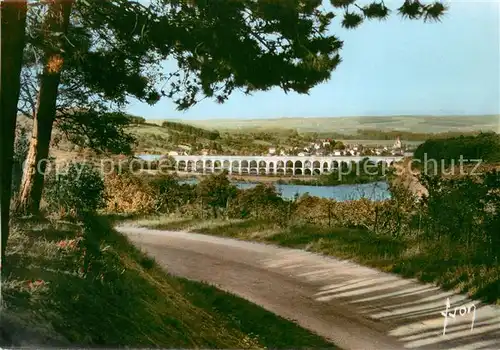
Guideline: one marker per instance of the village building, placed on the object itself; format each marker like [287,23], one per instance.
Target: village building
[397,143]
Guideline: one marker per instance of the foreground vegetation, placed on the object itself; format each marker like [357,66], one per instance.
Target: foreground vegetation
[82,283]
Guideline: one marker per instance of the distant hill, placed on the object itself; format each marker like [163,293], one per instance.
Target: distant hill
[169,136]
[350,125]
[257,135]
[151,138]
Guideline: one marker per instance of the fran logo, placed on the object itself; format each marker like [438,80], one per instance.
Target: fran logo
[462,311]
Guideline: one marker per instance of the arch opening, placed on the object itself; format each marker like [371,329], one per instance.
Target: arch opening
[199,166]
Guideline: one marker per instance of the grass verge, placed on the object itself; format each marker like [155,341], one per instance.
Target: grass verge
[130,301]
[442,262]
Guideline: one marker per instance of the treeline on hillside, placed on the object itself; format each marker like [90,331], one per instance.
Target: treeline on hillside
[381,135]
[485,146]
[244,143]
[193,130]
[136,120]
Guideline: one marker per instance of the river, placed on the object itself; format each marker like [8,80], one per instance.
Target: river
[374,191]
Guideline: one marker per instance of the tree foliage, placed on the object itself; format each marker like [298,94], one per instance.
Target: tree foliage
[79,190]
[215,191]
[257,45]
[192,130]
[485,146]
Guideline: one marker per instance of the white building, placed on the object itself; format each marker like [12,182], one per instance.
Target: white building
[397,143]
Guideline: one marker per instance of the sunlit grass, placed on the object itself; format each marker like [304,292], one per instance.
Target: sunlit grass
[44,292]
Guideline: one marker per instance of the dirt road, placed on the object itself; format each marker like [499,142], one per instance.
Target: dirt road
[353,306]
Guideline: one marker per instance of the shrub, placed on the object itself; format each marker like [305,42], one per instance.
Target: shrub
[257,202]
[215,192]
[465,211]
[169,195]
[80,189]
[126,193]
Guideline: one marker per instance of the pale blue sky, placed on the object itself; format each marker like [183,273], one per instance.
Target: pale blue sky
[396,67]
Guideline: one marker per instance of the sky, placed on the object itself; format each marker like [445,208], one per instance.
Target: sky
[395,67]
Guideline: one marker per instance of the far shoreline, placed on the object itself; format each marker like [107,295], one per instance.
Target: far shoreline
[281,180]
[253,178]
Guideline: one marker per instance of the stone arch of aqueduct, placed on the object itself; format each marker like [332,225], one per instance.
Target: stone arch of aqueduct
[262,165]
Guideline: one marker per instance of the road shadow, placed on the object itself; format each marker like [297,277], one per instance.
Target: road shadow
[411,310]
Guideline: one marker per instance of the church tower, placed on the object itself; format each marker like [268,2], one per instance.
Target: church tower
[397,143]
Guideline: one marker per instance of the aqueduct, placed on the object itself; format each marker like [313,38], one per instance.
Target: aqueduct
[277,165]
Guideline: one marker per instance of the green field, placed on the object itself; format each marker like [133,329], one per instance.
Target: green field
[349,125]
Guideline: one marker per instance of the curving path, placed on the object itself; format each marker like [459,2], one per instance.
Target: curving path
[353,306]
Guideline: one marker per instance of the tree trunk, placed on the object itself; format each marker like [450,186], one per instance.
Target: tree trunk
[13,19]
[30,194]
